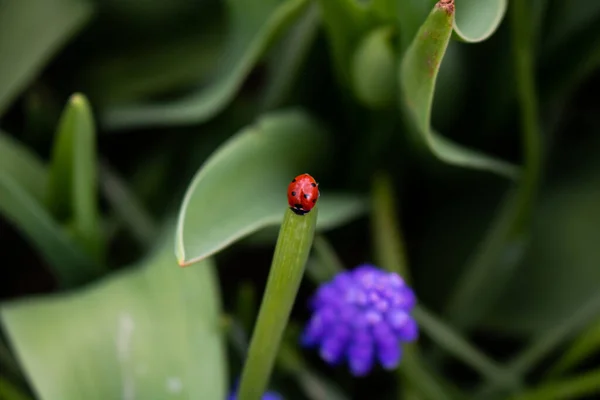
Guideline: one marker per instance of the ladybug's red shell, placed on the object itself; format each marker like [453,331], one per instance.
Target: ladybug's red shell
[303,193]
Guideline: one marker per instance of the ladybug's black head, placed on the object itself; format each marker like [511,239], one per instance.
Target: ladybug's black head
[298,210]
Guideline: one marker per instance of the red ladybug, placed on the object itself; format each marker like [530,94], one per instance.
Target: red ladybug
[303,193]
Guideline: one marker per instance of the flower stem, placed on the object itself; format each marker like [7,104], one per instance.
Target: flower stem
[293,246]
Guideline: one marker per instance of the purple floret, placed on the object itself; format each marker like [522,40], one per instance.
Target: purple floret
[362,317]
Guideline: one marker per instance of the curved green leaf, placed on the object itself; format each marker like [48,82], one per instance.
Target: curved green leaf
[373,69]
[73,177]
[241,188]
[22,186]
[345,21]
[418,73]
[477,20]
[148,332]
[255,25]
[30,33]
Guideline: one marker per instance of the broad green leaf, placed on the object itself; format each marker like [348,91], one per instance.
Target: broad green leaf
[31,32]
[22,183]
[477,20]
[73,178]
[418,72]
[242,187]
[151,331]
[373,67]
[255,26]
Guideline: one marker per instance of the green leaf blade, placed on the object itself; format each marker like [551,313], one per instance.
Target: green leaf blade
[418,73]
[25,49]
[73,176]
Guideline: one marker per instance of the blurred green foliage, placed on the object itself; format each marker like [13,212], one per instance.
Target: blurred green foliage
[456,142]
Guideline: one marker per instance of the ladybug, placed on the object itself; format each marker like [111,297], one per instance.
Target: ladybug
[303,193]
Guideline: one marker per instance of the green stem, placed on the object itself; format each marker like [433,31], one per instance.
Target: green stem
[293,246]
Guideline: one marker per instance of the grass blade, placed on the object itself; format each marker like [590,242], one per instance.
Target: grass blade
[293,246]
[73,179]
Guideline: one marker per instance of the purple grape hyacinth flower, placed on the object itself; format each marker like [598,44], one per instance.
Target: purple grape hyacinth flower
[362,315]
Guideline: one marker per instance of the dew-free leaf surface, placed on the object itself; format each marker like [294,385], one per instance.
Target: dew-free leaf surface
[255,25]
[23,180]
[30,33]
[73,176]
[151,331]
[242,187]
[418,72]
[477,20]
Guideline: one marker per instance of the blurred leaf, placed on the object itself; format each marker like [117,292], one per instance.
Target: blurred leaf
[286,62]
[445,337]
[22,166]
[255,26]
[241,188]
[373,67]
[567,18]
[345,21]
[476,20]
[576,387]
[22,179]
[150,331]
[31,32]
[493,264]
[127,206]
[418,72]
[173,64]
[585,346]
[73,178]
[560,271]
[10,391]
